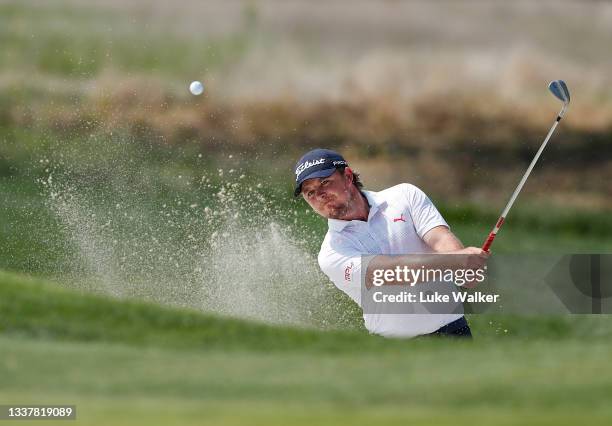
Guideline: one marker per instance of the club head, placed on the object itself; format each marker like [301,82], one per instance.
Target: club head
[560,90]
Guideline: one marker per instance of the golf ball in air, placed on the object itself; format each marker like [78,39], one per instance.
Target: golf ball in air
[196,88]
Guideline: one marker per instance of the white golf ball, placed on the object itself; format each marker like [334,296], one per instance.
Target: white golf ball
[196,88]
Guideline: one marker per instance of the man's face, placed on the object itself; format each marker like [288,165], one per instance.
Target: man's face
[330,197]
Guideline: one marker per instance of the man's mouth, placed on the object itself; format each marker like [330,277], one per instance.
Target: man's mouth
[333,206]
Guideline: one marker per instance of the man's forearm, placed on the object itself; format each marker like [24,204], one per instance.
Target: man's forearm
[447,244]
[442,240]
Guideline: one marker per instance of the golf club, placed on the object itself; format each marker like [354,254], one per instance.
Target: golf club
[559,89]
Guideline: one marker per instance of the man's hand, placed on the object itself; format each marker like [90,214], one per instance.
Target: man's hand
[472,258]
[442,240]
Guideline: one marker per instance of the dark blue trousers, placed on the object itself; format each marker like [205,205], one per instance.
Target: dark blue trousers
[457,328]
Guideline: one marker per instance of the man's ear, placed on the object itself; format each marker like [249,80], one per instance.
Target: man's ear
[348,174]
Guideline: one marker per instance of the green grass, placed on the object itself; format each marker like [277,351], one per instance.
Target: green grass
[34,309]
[126,362]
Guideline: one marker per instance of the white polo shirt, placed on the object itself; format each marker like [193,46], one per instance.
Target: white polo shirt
[399,218]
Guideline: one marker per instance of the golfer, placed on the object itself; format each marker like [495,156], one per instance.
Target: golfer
[398,220]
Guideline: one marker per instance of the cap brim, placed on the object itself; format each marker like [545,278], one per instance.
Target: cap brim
[317,174]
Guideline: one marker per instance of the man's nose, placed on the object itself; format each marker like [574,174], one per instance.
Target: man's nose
[322,194]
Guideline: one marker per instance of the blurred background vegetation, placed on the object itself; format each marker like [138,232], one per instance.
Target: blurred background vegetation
[453,92]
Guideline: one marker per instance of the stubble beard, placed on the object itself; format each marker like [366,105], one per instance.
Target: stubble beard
[338,212]
[342,210]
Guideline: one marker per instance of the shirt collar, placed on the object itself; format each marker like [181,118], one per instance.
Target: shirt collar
[374,200]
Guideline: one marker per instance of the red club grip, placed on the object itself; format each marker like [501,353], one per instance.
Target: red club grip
[491,237]
[489,241]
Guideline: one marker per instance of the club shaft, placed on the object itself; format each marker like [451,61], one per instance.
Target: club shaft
[489,241]
[528,172]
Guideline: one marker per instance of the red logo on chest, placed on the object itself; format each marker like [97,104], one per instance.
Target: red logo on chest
[399,219]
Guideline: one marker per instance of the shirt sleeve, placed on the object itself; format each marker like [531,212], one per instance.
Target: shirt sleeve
[343,267]
[424,214]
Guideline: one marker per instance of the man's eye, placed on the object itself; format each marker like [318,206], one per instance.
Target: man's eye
[309,194]
[324,182]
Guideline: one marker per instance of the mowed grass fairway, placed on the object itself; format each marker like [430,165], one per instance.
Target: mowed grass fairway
[127,362]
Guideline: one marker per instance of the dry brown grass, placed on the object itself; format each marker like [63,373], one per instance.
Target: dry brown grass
[456,149]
